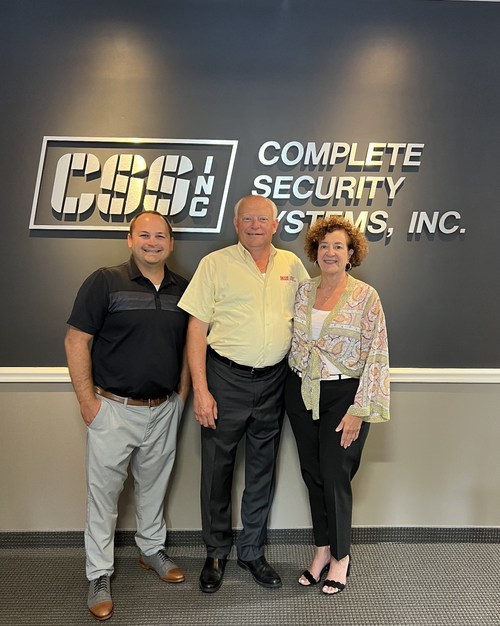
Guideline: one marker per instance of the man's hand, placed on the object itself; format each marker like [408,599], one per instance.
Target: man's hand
[77,344]
[89,410]
[205,408]
[204,404]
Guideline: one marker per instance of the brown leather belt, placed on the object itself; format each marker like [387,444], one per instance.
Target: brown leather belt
[131,401]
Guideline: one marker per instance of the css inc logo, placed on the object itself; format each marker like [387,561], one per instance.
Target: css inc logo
[99,184]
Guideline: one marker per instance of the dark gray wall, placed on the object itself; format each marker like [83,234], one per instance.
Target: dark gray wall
[336,70]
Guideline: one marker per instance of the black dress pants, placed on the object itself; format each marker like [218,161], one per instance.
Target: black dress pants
[327,468]
[249,405]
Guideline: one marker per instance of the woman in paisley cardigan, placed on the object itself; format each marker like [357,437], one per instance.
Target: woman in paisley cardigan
[337,385]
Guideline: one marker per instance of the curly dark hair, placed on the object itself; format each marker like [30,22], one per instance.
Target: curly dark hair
[356,240]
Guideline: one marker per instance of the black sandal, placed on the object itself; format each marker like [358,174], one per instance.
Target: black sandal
[333,584]
[310,578]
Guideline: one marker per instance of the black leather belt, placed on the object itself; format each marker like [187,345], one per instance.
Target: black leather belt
[256,371]
[131,401]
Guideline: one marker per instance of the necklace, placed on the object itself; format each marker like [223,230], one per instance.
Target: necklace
[326,296]
[328,293]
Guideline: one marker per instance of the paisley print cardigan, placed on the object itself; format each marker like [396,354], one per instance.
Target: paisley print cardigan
[353,338]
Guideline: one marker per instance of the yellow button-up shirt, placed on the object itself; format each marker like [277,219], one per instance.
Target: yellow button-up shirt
[249,313]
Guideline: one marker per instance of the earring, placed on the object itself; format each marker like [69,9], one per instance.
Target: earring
[348,266]
[315,263]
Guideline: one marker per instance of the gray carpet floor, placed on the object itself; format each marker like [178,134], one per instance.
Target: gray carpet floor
[391,584]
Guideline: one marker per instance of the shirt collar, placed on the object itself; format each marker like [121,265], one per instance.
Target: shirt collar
[135,273]
[245,254]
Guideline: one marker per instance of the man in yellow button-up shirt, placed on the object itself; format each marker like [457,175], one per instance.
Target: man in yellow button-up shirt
[241,304]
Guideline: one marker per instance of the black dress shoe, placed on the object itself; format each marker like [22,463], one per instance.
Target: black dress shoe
[262,572]
[212,574]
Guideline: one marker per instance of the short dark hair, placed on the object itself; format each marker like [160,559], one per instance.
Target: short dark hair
[165,219]
[356,240]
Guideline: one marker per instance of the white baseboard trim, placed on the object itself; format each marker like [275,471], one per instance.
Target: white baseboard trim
[34,375]
[444,375]
[398,375]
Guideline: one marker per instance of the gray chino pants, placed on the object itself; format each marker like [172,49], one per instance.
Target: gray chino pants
[144,438]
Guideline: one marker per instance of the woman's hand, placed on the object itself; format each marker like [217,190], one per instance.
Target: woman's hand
[350,426]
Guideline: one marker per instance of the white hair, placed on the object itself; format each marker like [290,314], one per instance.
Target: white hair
[269,201]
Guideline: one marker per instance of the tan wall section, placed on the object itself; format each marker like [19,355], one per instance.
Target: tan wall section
[434,464]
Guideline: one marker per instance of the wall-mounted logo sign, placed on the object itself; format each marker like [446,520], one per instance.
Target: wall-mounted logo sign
[101,183]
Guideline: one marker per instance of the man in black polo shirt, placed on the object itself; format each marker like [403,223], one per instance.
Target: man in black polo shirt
[125,346]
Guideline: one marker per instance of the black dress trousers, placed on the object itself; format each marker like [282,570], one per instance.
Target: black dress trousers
[327,468]
[249,405]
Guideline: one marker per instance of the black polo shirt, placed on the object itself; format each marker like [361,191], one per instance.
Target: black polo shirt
[139,332]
